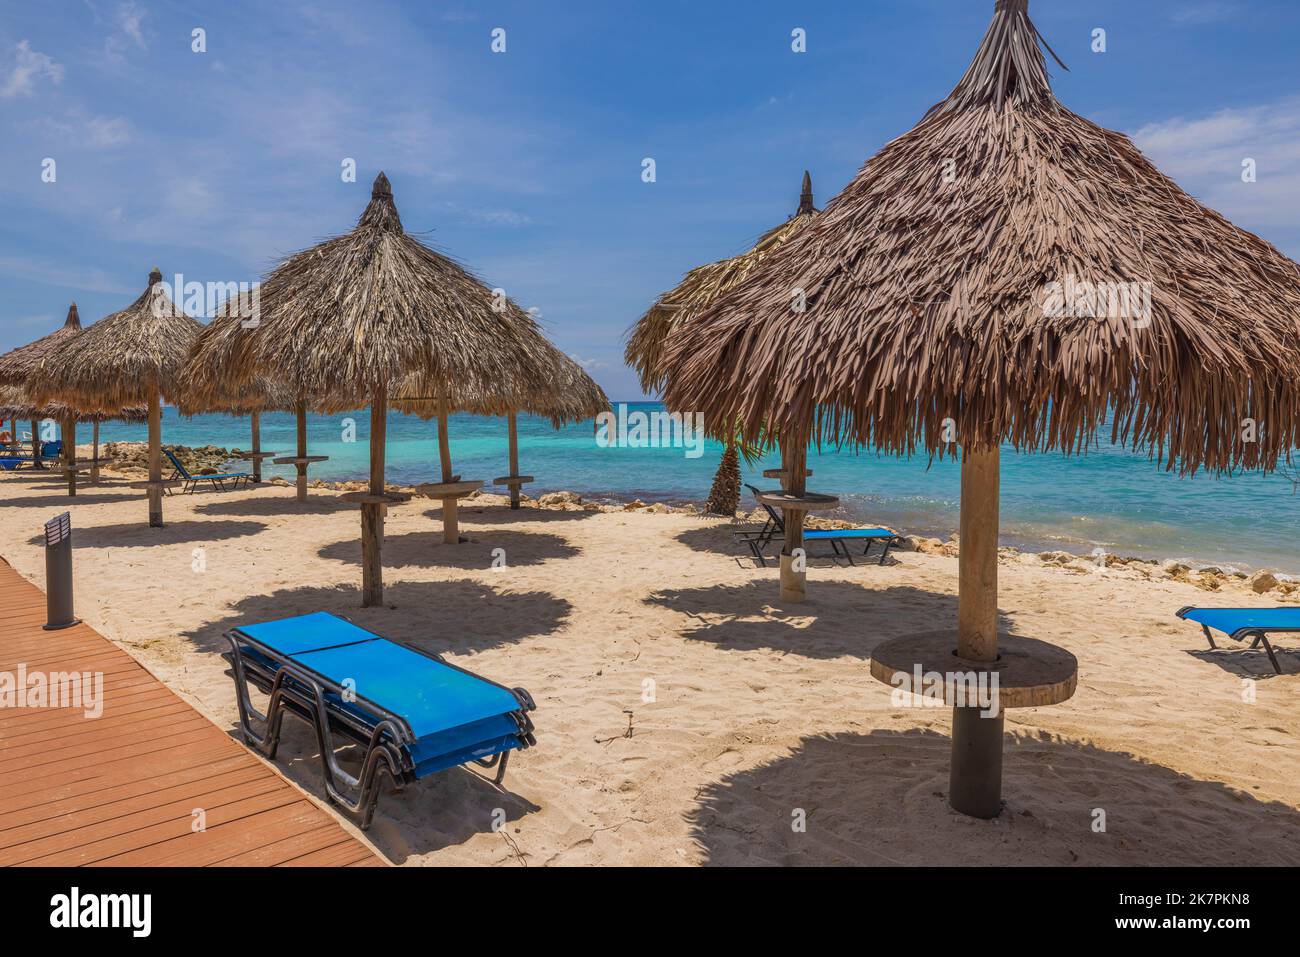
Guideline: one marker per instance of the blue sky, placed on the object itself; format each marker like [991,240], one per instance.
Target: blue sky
[526,165]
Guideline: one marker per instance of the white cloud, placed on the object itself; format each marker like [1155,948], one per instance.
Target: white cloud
[1205,155]
[128,26]
[589,364]
[84,131]
[1208,11]
[29,66]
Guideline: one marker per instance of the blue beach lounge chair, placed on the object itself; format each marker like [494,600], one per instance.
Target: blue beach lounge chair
[1242,623]
[190,483]
[839,538]
[410,713]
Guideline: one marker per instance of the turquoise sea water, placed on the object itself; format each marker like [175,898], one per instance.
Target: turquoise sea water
[1109,498]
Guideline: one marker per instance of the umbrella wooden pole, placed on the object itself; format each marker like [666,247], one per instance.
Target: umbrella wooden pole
[450,510]
[794,576]
[94,452]
[155,461]
[372,513]
[257,446]
[36,445]
[302,451]
[70,453]
[512,426]
[975,775]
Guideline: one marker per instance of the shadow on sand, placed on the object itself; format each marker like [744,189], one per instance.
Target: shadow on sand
[56,501]
[1245,663]
[139,534]
[496,515]
[426,550]
[470,616]
[270,505]
[839,618]
[881,799]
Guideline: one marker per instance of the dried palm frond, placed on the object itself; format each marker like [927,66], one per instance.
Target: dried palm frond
[937,296]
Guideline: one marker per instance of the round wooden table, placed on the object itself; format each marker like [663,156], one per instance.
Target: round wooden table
[1030,673]
[365,498]
[807,502]
[450,493]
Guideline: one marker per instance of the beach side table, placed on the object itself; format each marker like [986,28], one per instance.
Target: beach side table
[1029,673]
[257,458]
[450,493]
[781,473]
[513,482]
[301,462]
[794,508]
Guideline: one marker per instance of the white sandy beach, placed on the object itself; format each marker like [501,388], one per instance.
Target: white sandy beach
[758,711]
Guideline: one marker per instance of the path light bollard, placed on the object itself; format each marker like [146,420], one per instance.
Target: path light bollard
[58,573]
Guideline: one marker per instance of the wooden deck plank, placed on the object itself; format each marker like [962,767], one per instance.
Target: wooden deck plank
[122,788]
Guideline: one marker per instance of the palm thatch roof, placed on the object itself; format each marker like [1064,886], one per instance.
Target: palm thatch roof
[123,358]
[570,394]
[700,288]
[211,387]
[930,296]
[15,403]
[19,365]
[364,310]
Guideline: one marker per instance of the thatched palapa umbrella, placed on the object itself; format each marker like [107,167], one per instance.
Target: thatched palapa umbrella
[18,367]
[132,357]
[570,395]
[16,404]
[357,314]
[684,303]
[1008,272]
[211,389]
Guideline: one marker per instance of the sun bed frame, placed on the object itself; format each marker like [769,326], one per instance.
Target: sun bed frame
[190,483]
[385,736]
[773,530]
[1257,634]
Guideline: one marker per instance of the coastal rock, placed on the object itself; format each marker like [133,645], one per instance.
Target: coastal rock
[634,505]
[1212,582]
[133,457]
[560,500]
[1056,558]
[928,546]
[660,508]
[1262,581]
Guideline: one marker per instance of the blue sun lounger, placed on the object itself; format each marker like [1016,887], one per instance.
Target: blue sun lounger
[1242,623]
[410,713]
[190,483]
[839,538]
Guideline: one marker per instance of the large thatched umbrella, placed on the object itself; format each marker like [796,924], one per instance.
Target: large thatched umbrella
[217,384]
[569,395]
[132,357]
[16,404]
[18,368]
[209,389]
[358,313]
[701,288]
[947,297]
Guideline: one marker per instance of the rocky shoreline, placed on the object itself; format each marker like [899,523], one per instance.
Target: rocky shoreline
[131,459]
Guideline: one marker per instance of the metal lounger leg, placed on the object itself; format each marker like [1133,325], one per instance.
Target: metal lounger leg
[498,761]
[1210,638]
[889,543]
[1261,637]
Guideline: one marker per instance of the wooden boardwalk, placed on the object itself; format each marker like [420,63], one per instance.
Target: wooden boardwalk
[121,789]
